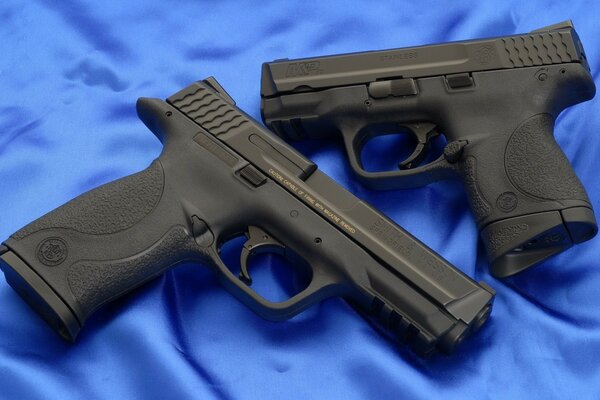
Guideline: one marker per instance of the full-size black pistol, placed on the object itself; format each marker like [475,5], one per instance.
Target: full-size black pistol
[222,175]
[495,101]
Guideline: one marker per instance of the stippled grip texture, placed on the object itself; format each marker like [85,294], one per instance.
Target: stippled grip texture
[94,283]
[108,209]
[531,175]
[537,166]
[527,200]
[107,241]
[479,204]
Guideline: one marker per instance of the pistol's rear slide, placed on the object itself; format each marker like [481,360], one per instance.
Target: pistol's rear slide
[219,173]
[495,100]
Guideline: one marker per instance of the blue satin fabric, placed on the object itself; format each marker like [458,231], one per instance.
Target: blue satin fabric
[70,73]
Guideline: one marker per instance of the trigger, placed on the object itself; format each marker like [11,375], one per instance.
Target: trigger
[258,242]
[424,132]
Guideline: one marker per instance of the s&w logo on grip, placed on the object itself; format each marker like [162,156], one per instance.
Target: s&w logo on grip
[303,69]
[52,251]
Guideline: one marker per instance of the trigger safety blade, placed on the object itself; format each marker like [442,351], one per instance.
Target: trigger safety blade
[424,132]
[258,241]
[415,158]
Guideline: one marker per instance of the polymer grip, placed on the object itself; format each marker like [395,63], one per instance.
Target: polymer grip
[97,247]
[533,180]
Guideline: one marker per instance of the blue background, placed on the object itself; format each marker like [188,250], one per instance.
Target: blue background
[70,72]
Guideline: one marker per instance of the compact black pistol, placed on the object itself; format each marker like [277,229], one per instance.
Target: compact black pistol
[495,101]
[222,175]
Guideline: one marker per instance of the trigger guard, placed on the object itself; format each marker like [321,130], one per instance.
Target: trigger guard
[439,169]
[323,286]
